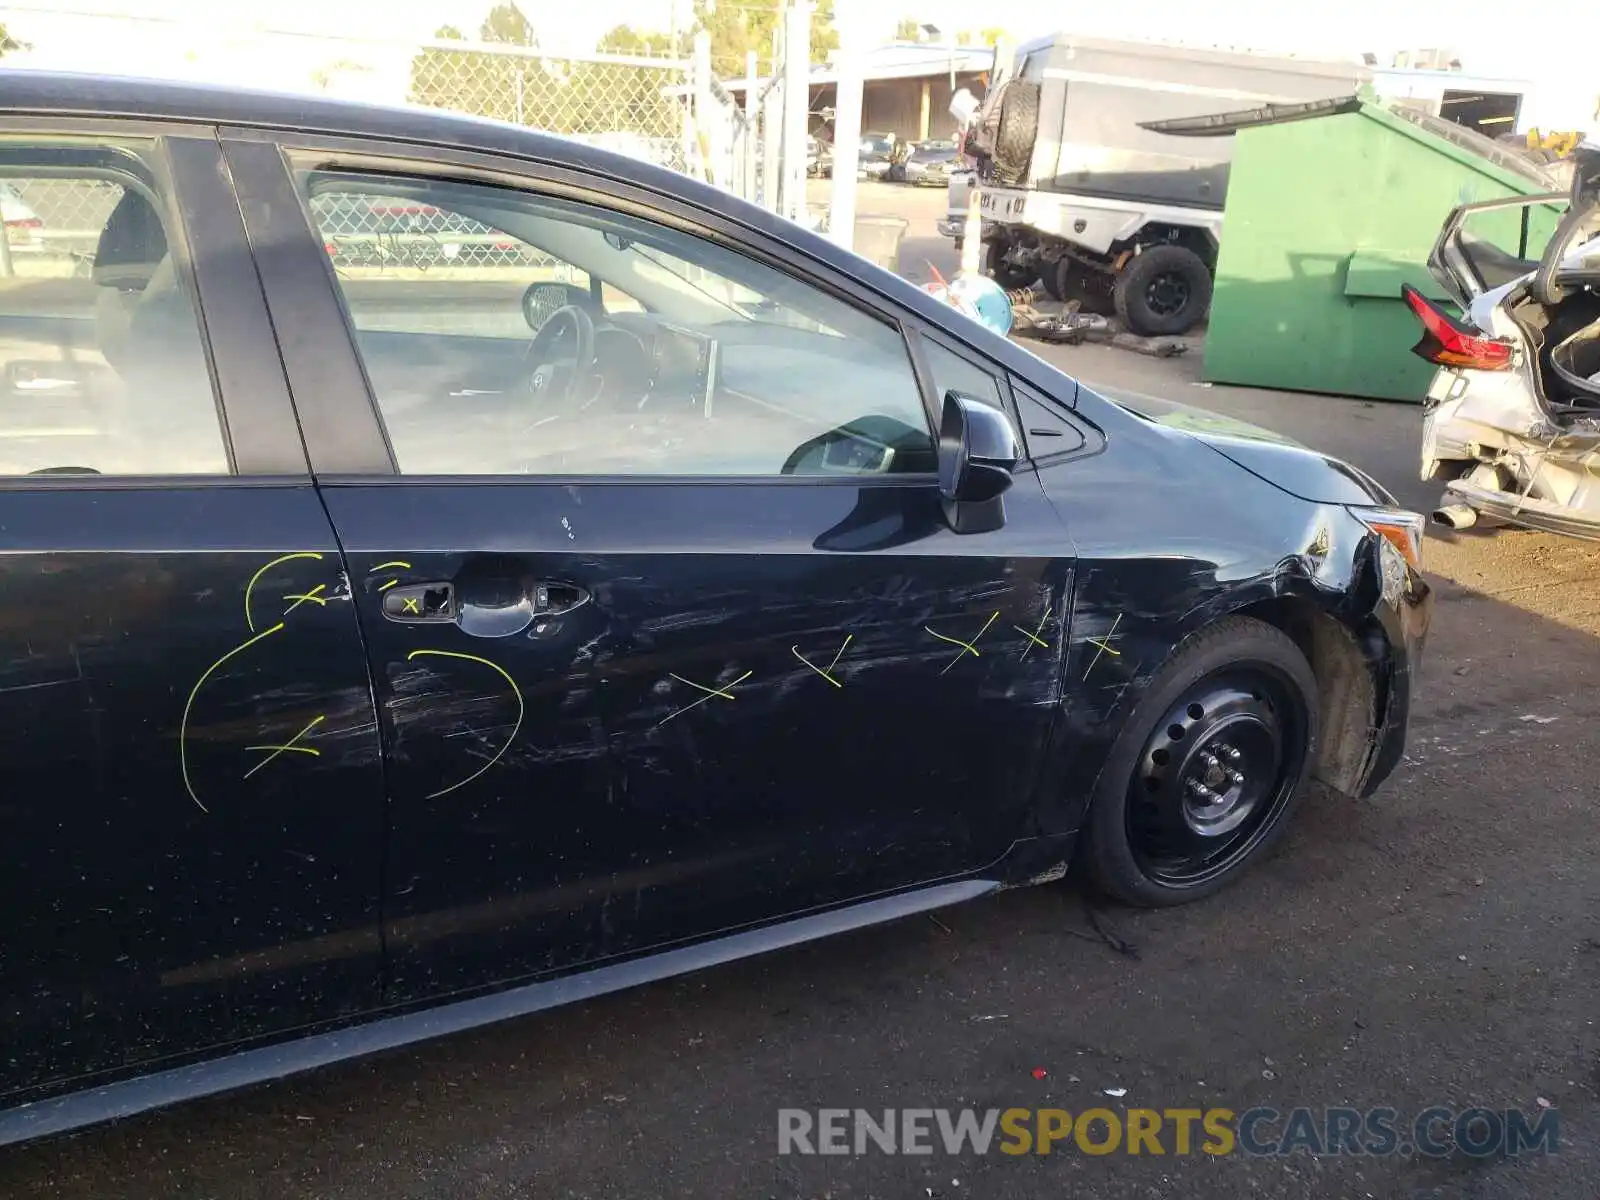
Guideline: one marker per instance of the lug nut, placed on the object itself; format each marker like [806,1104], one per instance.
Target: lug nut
[1236,776]
[1230,751]
[1208,758]
[1201,790]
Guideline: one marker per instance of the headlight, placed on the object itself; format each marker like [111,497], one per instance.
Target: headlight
[1400,527]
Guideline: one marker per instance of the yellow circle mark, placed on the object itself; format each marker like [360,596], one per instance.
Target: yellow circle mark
[516,726]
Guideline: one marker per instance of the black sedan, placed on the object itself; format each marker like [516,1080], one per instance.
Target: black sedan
[391,649]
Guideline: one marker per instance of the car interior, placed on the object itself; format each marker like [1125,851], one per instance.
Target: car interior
[104,371]
[679,357]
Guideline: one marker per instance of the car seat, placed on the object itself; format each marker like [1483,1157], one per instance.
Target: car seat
[148,334]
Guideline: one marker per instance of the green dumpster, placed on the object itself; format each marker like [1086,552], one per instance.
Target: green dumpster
[1327,217]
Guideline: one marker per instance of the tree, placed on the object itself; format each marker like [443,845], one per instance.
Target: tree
[625,39]
[909,30]
[485,85]
[736,29]
[9,43]
[505,23]
[981,37]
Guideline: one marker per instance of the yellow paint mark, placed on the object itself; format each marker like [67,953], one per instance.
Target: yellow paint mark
[848,638]
[412,604]
[516,726]
[795,650]
[710,694]
[711,691]
[966,647]
[1033,638]
[386,566]
[828,672]
[386,586]
[1105,645]
[183,726]
[299,598]
[249,620]
[288,747]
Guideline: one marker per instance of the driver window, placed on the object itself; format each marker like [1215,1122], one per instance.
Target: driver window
[507,333]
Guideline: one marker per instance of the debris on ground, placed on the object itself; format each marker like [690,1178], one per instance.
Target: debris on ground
[1033,315]
[1155,347]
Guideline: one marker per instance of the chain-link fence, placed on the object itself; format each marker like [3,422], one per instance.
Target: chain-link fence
[669,111]
[639,106]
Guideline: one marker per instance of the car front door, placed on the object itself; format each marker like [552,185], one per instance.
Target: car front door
[192,802]
[671,644]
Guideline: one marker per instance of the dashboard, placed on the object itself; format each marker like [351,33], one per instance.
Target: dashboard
[645,360]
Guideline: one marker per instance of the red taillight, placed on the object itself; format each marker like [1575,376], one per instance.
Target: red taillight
[1446,342]
[25,223]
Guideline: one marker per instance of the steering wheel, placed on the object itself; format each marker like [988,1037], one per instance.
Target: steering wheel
[562,383]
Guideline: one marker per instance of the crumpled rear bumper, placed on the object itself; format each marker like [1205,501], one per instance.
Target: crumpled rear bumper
[1502,457]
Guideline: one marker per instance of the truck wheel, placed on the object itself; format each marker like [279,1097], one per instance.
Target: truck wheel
[1066,280]
[1164,290]
[1005,274]
[1018,129]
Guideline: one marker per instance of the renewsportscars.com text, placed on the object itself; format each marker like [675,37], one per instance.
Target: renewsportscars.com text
[1435,1132]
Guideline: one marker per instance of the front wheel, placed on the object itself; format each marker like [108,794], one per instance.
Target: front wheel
[1205,774]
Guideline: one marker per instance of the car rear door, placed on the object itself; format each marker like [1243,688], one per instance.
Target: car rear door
[192,803]
[1486,245]
[656,681]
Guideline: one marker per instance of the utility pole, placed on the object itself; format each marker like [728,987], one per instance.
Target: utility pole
[850,72]
[797,108]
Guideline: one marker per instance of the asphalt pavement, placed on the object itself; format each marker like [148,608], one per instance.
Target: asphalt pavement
[1438,944]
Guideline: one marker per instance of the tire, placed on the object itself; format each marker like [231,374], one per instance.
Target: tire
[1066,280]
[1163,290]
[1017,130]
[1241,697]
[1007,276]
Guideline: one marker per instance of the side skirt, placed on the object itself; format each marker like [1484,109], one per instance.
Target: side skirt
[92,1106]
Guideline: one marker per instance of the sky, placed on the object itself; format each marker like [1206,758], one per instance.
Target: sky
[1334,27]
[1559,41]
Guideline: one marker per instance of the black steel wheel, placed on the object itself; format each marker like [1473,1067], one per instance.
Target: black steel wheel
[1216,771]
[1163,290]
[1207,769]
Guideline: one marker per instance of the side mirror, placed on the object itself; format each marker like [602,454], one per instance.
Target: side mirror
[977,453]
[542,299]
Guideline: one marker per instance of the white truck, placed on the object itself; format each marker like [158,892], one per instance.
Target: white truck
[1079,192]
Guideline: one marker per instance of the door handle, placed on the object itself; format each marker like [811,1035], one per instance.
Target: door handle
[491,608]
[503,607]
[420,603]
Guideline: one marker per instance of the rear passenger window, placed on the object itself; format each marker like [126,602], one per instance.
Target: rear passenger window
[102,369]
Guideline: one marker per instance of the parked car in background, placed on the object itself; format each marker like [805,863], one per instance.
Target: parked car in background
[24,229]
[1511,424]
[932,164]
[874,155]
[406,661]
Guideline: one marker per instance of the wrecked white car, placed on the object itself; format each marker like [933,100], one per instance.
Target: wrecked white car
[1511,423]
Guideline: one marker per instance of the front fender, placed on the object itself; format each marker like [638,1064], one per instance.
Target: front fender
[1336,594]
